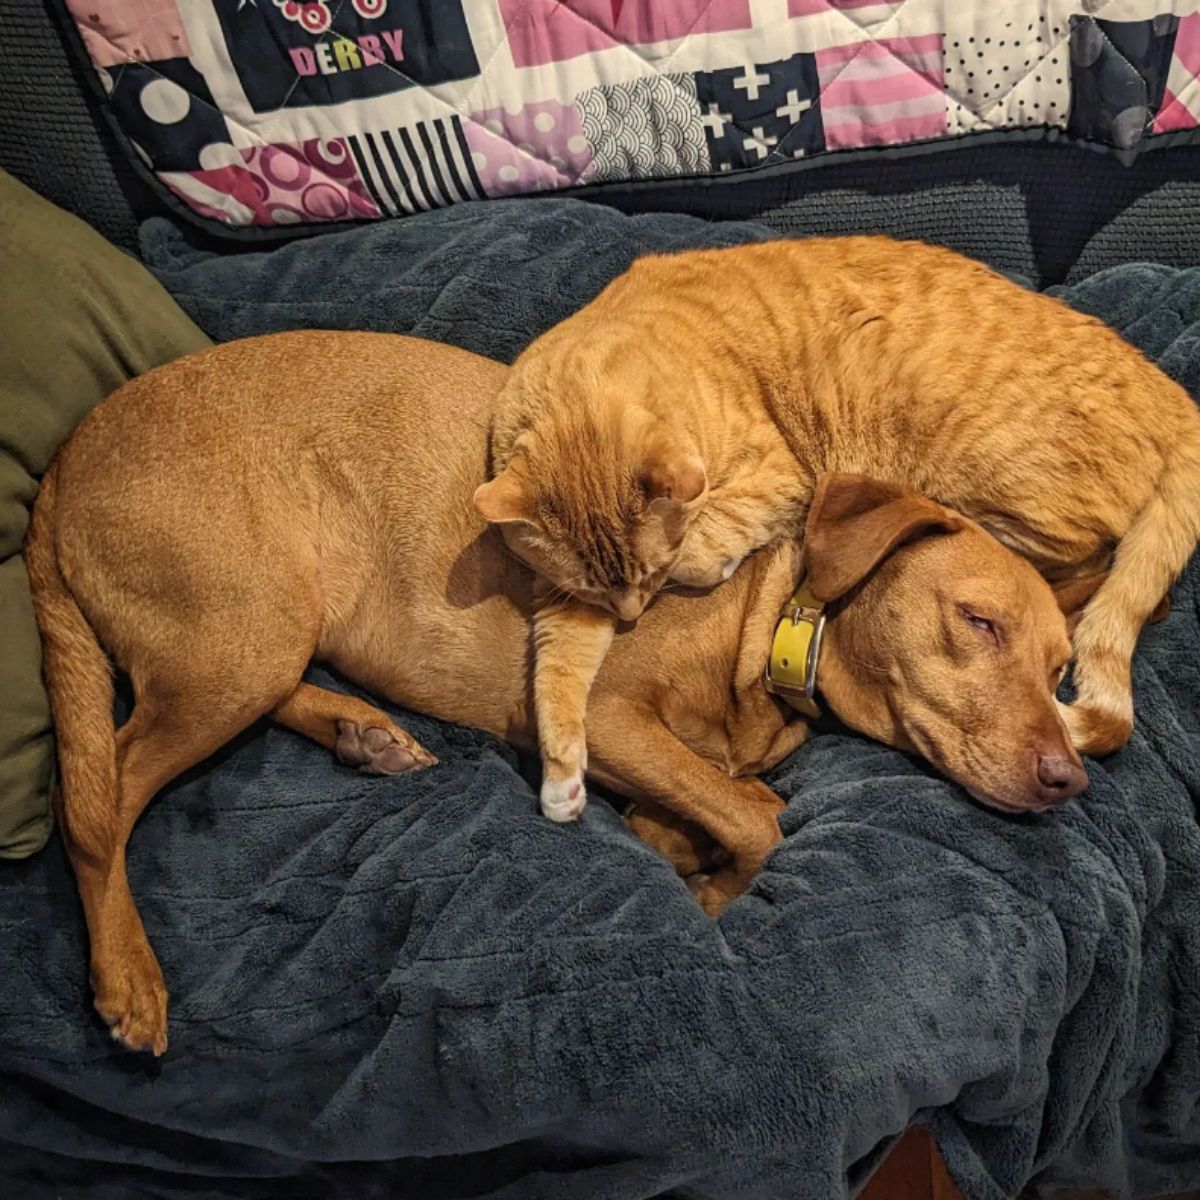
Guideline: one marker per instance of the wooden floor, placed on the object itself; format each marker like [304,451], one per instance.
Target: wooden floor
[914,1171]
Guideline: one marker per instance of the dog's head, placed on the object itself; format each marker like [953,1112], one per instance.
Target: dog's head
[941,641]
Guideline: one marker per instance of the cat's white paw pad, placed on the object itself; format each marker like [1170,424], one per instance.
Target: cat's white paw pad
[563,799]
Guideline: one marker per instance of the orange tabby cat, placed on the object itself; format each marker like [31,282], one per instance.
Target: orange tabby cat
[683,417]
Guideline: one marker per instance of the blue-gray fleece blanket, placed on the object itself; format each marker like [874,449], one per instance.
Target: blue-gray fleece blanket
[418,988]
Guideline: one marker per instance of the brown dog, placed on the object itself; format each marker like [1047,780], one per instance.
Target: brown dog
[221,521]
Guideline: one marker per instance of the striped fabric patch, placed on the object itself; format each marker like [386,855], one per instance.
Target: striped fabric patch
[881,92]
[866,12]
[417,167]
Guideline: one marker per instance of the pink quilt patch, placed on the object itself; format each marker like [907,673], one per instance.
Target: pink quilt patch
[1181,99]
[118,31]
[884,8]
[538,147]
[279,185]
[547,31]
[882,92]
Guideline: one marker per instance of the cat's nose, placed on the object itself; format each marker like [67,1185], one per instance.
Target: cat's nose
[628,605]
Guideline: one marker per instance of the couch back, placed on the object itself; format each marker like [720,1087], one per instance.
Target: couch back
[1051,212]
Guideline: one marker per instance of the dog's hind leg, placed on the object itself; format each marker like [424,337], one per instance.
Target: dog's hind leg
[219,639]
[185,710]
[359,734]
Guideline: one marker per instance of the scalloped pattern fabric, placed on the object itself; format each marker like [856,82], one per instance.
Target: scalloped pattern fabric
[261,113]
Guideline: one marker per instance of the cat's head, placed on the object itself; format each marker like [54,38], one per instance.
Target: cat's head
[598,500]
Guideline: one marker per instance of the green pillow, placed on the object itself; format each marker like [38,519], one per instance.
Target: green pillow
[80,318]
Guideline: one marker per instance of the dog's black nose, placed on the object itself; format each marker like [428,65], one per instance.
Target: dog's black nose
[1059,778]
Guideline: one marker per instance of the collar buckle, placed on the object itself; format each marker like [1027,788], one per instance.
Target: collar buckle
[791,671]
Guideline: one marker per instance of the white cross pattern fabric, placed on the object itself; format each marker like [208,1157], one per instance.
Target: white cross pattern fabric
[761,112]
[750,81]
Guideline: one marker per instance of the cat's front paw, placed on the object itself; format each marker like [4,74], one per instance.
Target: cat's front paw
[704,573]
[563,799]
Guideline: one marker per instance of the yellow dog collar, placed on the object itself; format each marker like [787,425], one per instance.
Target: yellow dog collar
[792,668]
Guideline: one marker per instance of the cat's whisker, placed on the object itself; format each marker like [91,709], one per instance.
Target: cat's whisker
[558,595]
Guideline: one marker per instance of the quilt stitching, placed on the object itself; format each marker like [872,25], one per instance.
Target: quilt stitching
[665,73]
[455,171]
[877,38]
[195,99]
[1129,66]
[524,10]
[333,16]
[464,113]
[250,134]
[1062,41]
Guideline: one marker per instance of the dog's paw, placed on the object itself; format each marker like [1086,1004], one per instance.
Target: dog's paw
[708,895]
[132,1000]
[714,892]
[376,750]
[563,799]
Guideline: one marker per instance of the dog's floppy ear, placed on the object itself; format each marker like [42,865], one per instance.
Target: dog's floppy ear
[855,522]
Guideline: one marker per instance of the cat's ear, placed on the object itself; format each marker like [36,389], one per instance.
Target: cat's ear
[669,472]
[504,500]
[855,522]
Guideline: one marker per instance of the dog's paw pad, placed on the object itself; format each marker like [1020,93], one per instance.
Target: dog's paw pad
[375,750]
[563,799]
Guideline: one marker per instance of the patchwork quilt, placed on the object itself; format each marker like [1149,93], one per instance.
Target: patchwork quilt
[256,114]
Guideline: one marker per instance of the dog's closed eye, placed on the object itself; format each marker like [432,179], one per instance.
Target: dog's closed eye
[983,624]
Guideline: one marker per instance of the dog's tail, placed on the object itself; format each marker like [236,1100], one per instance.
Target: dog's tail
[80,683]
[1148,559]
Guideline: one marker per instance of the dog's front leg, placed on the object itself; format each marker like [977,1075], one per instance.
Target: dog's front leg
[570,642]
[358,733]
[636,754]
[682,843]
